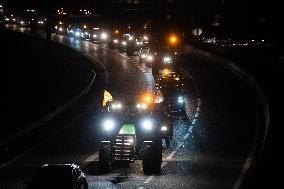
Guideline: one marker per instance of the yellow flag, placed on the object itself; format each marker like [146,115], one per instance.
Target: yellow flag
[107,97]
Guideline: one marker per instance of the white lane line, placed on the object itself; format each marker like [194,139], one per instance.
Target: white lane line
[171,155]
[92,157]
[179,145]
[163,164]
[186,136]
[140,187]
[148,180]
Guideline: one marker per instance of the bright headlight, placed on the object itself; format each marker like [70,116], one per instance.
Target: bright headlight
[149,58]
[86,33]
[180,99]
[147,124]
[141,106]
[167,59]
[77,33]
[60,29]
[115,41]
[164,128]
[104,36]
[108,125]
[116,106]
[123,43]
[143,56]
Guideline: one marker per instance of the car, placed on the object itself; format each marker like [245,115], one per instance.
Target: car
[100,35]
[74,31]
[134,131]
[147,55]
[171,87]
[58,176]
[60,28]
[165,62]
[86,32]
[127,44]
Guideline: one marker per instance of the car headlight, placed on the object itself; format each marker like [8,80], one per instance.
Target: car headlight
[77,33]
[60,29]
[123,43]
[95,36]
[180,100]
[115,41]
[164,128]
[86,33]
[22,22]
[143,56]
[167,59]
[104,36]
[147,124]
[149,58]
[116,106]
[141,106]
[108,124]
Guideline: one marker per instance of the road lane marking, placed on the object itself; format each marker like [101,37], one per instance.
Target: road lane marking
[163,164]
[171,155]
[149,179]
[186,136]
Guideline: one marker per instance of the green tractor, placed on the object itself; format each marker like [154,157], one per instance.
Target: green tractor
[133,133]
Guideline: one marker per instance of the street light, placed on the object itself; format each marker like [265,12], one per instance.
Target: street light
[173,39]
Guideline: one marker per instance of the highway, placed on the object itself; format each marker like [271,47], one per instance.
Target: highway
[211,146]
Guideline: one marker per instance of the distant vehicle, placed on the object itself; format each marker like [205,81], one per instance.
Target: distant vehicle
[127,44]
[86,32]
[171,87]
[58,176]
[99,35]
[74,31]
[60,28]
[165,62]
[146,55]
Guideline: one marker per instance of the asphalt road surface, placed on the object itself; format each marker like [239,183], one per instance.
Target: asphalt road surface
[210,148]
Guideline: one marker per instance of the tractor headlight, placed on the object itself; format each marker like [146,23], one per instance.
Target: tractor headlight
[103,36]
[147,124]
[141,106]
[167,59]
[77,33]
[149,58]
[116,106]
[180,100]
[108,124]
[164,128]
